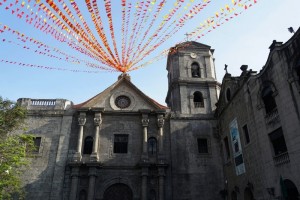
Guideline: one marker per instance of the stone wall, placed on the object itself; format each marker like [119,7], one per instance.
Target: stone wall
[49,120]
[195,175]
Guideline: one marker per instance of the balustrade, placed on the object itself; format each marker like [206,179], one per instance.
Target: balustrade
[281,159]
[43,102]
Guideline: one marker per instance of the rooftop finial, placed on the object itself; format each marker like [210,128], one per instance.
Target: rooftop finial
[124,75]
[226,68]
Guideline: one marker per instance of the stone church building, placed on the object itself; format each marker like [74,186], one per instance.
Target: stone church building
[123,145]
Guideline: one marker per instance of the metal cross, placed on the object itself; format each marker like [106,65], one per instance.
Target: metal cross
[187,36]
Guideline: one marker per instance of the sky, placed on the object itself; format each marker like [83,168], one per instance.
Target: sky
[243,40]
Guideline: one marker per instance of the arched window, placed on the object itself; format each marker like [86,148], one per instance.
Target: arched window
[198,100]
[268,99]
[297,71]
[88,145]
[152,146]
[228,94]
[195,70]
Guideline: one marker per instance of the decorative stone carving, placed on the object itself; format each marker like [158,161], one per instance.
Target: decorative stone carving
[160,121]
[145,122]
[97,120]
[81,120]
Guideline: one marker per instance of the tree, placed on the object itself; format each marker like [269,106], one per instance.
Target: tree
[15,150]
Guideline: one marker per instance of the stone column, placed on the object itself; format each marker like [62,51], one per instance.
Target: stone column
[97,121]
[145,123]
[161,183]
[74,182]
[81,122]
[92,180]
[160,124]
[144,182]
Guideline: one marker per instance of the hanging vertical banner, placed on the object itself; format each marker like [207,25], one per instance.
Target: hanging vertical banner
[237,148]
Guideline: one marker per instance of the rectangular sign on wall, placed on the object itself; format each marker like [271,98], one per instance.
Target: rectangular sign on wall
[237,148]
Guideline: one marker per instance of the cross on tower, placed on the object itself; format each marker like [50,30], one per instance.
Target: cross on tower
[187,36]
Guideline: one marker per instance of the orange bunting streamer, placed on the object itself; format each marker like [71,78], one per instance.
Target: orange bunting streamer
[108,46]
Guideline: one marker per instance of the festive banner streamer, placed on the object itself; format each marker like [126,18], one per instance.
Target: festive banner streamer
[47,67]
[95,16]
[245,4]
[145,26]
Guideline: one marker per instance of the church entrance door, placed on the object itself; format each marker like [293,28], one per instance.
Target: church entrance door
[118,191]
[248,195]
[292,192]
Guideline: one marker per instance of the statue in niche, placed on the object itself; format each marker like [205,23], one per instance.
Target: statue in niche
[195,70]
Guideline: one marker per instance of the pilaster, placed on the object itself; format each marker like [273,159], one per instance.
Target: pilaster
[160,124]
[81,122]
[92,179]
[97,122]
[145,173]
[74,182]
[161,181]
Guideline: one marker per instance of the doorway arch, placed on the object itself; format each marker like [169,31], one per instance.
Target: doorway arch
[233,195]
[248,195]
[118,191]
[291,190]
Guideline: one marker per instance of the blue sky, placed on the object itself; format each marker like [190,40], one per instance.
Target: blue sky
[243,40]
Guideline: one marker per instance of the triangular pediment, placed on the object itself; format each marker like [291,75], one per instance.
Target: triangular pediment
[193,45]
[122,96]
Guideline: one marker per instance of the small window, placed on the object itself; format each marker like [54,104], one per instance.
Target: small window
[152,146]
[227,148]
[37,144]
[202,145]
[88,145]
[195,70]
[198,100]
[246,134]
[268,99]
[120,143]
[278,142]
[228,94]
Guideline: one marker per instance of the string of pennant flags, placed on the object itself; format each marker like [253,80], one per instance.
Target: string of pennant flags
[114,36]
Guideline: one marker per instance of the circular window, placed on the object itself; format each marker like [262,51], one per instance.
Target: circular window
[122,102]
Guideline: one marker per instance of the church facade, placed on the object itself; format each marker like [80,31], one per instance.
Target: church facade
[123,145]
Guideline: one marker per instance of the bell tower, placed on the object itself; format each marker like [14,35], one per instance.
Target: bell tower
[192,95]
[193,88]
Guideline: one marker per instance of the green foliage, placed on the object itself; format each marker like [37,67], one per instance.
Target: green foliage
[11,116]
[14,150]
